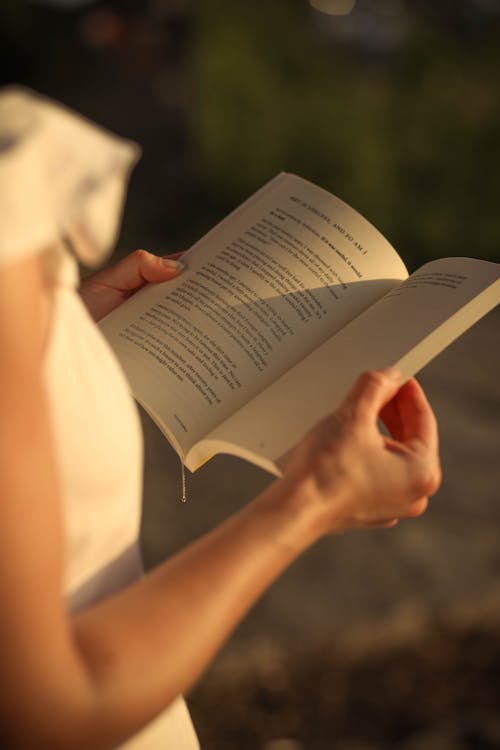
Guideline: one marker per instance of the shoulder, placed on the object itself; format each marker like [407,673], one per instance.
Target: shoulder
[61,176]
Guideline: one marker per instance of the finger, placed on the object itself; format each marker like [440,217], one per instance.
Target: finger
[391,418]
[371,392]
[382,524]
[138,269]
[153,269]
[174,256]
[414,510]
[417,417]
[417,508]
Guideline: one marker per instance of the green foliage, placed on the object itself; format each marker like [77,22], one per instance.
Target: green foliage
[410,136]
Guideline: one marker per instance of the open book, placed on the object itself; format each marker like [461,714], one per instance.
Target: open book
[283,304]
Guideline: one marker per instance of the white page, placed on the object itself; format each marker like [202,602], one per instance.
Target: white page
[262,290]
[406,328]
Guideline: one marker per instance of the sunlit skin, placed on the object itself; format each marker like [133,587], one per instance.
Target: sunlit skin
[107,289]
[89,682]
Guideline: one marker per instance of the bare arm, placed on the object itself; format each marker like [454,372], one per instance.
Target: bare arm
[37,655]
[92,681]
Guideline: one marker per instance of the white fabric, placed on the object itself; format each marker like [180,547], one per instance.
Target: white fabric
[60,176]
[96,429]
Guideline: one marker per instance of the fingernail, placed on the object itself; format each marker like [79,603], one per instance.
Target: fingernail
[175,265]
[392,373]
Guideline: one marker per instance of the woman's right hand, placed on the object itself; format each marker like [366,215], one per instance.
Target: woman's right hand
[351,475]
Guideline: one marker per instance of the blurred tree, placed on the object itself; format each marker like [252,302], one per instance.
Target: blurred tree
[406,130]
[394,108]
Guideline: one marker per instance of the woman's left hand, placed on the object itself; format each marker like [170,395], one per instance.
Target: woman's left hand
[107,289]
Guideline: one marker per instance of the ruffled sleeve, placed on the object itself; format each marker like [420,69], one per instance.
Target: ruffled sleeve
[61,178]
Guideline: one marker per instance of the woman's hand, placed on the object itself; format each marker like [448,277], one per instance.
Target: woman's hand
[351,474]
[107,289]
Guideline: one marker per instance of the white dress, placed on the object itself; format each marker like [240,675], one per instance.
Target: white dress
[61,177]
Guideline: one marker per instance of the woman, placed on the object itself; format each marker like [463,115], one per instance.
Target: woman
[94,654]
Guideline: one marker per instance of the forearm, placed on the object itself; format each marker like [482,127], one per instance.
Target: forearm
[148,644]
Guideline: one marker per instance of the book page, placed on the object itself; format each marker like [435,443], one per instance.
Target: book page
[262,290]
[406,328]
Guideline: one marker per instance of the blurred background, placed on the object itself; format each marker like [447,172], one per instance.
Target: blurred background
[373,640]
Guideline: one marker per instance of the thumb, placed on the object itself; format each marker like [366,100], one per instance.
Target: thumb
[143,267]
[140,268]
[371,392]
